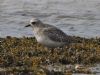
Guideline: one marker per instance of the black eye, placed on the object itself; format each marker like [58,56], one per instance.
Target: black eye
[33,22]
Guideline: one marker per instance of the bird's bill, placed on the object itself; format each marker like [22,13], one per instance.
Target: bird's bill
[28,25]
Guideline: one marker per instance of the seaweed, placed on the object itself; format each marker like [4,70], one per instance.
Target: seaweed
[28,54]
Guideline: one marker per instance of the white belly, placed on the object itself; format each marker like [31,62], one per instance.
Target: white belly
[47,42]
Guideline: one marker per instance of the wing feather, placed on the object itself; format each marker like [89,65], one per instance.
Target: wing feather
[57,35]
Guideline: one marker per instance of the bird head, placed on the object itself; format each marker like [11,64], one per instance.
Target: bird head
[34,22]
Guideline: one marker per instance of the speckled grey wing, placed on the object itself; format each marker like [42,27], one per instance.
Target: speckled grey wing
[57,35]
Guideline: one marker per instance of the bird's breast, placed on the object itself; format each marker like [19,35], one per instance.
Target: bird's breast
[44,40]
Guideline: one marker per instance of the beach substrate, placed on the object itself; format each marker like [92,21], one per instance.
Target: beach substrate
[26,54]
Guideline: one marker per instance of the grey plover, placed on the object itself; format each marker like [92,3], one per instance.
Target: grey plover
[49,35]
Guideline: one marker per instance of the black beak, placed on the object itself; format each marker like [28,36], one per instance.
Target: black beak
[28,25]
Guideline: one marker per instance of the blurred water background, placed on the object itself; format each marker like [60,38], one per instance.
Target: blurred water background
[74,17]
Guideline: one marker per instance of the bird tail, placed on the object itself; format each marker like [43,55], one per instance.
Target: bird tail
[74,39]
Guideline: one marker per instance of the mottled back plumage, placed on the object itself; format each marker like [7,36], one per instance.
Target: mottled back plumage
[57,35]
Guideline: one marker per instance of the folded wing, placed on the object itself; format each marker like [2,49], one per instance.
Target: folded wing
[57,35]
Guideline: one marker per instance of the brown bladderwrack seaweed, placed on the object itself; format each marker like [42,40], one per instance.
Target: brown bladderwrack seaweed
[27,53]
